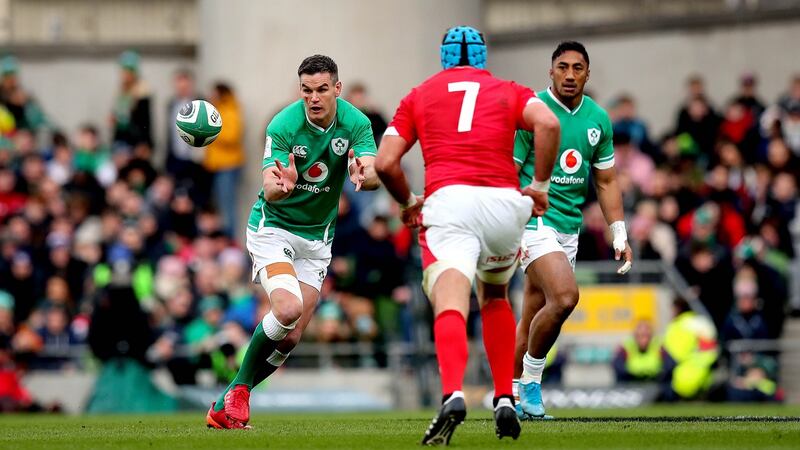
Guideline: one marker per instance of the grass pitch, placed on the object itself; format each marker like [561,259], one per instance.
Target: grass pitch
[679,426]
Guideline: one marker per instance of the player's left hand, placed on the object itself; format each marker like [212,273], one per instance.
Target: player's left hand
[356,169]
[412,216]
[626,254]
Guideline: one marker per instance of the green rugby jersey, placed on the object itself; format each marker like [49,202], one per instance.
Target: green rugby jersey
[586,141]
[321,158]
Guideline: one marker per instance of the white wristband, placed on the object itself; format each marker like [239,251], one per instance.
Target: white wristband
[412,200]
[620,235]
[540,186]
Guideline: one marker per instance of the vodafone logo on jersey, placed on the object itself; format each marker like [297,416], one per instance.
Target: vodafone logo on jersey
[571,160]
[316,173]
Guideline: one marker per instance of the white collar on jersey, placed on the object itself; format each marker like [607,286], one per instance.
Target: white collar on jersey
[317,127]
[555,99]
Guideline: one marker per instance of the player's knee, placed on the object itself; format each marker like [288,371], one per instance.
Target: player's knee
[287,310]
[565,301]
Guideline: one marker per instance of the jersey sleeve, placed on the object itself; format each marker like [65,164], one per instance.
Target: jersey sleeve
[276,146]
[524,97]
[403,122]
[603,157]
[364,142]
[523,143]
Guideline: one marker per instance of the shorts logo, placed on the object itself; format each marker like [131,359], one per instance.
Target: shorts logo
[317,172]
[339,146]
[501,258]
[300,151]
[321,275]
[571,160]
[288,253]
[594,136]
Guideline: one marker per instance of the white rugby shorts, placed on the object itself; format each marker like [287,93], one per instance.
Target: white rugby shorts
[472,229]
[544,240]
[271,245]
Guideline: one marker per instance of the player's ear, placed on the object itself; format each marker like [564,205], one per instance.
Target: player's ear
[588,72]
[338,88]
[551,73]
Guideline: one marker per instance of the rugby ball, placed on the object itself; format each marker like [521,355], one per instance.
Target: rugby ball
[198,123]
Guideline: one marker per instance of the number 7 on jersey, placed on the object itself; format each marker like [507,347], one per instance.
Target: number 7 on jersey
[470,89]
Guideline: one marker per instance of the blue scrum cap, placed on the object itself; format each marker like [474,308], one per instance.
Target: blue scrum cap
[463,46]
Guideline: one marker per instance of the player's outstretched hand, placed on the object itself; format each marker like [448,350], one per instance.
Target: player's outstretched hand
[540,200]
[626,254]
[412,216]
[287,176]
[356,170]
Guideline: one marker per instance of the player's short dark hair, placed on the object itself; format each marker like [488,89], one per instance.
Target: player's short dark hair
[319,64]
[567,46]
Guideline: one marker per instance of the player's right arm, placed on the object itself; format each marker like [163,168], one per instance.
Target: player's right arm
[537,117]
[278,169]
[397,140]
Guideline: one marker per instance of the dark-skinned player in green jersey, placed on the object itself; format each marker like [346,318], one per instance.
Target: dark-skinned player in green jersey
[550,242]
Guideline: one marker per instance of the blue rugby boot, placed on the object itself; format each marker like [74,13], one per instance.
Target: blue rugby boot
[530,399]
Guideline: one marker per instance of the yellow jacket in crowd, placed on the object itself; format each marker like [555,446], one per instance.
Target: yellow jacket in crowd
[227,151]
[691,340]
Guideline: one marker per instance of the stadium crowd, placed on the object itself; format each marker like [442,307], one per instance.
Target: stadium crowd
[102,245]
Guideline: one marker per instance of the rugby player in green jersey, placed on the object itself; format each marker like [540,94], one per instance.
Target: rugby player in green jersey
[311,145]
[550,242]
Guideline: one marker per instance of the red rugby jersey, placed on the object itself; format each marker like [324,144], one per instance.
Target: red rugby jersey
[465,120]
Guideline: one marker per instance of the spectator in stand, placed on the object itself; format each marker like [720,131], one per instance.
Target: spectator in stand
[61,263]
[783,119]
[21,283]
[792,96]
[183,161]
[741,177]
[25,110]
[631,161]
[697,117]
[130,116]
[358,96]
[11,202]
[92,156]
[60,166]
[57,339]
[773,289]
[753,379]
[650,238]
[745,320]
[225,156]
[740,126]
[201,330]
[747,95]
[640,357]
[707,267]
[626,121]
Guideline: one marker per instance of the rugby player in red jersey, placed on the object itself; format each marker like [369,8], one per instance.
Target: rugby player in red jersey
[473,214]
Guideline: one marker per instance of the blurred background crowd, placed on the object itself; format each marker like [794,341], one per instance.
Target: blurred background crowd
[104,245]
